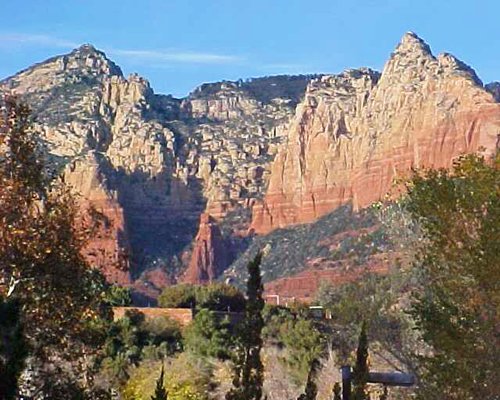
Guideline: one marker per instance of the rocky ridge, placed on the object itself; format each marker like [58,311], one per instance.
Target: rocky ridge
[355,132]
[150,164]
[178,182]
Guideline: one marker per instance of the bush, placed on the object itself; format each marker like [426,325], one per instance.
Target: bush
[208,337]
[216,296]
[178,296]
[185,379]
[304,344]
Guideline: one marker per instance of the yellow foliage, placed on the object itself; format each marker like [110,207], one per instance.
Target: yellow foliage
[181,381]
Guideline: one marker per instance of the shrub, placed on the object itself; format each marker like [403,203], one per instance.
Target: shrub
[208,337]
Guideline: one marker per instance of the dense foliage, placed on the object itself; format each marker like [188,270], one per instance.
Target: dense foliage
[215,296]
[459,259]
[40,259]
[13,347]
[209,336]
[132,339]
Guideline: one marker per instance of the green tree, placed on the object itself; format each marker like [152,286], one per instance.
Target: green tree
[360,371]
[178,296]
[311,389]
[456,309]
[304,344]
[118,296]
[215,296]
[249,371]
[208,337]
[160,391]
[220,297]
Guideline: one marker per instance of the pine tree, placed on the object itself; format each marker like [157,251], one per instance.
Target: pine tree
[249,371]
[360,370]
[311,389]
[160,391]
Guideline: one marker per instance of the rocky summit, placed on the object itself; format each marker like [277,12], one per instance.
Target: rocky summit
[184,185]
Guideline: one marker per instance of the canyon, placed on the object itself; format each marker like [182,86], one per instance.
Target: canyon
[187,190]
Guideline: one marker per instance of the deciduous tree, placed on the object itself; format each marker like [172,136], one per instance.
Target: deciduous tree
[41,265]
[456,308]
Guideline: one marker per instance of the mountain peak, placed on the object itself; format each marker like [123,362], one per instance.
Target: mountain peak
[87,57]
[411,42]
[87,48]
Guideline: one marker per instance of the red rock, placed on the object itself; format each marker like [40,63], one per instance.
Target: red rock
[304,285]
[108,246]
[210,255]
[355,132]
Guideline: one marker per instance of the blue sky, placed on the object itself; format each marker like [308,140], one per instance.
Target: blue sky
[178,44]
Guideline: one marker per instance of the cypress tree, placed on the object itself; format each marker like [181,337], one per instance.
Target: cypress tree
[249,371]
[160,392]
[360,370]
[311,390]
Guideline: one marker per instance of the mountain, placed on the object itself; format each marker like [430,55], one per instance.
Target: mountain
[357,131]
[150,165]
[185,185]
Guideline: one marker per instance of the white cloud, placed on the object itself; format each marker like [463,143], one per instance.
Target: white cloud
[159,57]
[286,68]
[19,39]
[173,56]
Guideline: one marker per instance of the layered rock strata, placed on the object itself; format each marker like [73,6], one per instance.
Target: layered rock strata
[210,255]
[357,131]
[150,164]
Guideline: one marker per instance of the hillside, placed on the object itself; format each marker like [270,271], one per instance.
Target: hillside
[189,187]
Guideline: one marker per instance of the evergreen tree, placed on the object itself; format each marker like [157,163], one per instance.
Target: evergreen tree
[208,337]
[160,391]
[249,371]
[360,370]
[311,390]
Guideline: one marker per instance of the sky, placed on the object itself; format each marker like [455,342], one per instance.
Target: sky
[179,44]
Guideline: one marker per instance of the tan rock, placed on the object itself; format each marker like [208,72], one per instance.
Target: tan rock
[355,132]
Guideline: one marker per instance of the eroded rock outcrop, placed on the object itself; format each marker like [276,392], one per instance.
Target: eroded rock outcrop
[108,247]
[151,164]
[210,254]
[355,132]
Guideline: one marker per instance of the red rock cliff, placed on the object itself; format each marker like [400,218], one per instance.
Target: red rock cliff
[210,255]
[108,247]
[357,131]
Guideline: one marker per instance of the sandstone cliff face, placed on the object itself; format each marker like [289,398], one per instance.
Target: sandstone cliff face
[355,132]
[150,164]
[109,248]
[210,255]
